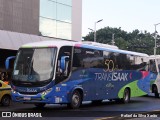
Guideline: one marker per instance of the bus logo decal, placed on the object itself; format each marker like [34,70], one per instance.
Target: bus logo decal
[114,76]
[110,85]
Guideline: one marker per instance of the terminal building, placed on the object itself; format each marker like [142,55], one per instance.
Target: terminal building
[24,21]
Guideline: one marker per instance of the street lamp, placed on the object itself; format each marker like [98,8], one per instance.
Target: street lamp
[95,29]
[113,42]
[91,29]
[155,38]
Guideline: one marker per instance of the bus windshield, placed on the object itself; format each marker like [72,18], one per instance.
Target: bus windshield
[34,66]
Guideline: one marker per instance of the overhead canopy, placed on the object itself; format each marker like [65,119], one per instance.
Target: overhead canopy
[13,40]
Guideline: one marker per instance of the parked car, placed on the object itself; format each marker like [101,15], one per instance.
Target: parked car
[5,94]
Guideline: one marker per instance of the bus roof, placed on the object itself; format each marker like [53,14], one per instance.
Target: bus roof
[112,48]
[154,56]
[49,43]
[92,45]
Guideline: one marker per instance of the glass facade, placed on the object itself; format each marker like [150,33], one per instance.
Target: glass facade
[56,18]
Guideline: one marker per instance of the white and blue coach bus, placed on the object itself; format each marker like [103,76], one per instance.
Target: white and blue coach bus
[154,68]
[68,72]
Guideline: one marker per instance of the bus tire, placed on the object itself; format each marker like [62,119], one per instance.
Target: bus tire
[76,100]
[155,90]
[39,105]
[126,96]
[6,99]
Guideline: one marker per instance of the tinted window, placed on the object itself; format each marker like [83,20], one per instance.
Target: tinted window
[90,58]
[87,58]
[110,61]
[119,61]
[138,63]
[152,66]
[130,62]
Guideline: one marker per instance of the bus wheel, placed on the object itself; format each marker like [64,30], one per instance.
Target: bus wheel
[126,96]
[6,100]
[39,105]
[76,100]
[156,94]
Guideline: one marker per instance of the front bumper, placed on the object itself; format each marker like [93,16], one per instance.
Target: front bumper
[39,98]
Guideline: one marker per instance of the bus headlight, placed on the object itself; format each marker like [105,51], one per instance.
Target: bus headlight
[46,91]
[13,91]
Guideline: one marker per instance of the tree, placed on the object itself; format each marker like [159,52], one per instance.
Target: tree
[121,43]
[133,41]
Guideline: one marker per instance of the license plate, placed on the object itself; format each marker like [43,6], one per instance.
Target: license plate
[27,98]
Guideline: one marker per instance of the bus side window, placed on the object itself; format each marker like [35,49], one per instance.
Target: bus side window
[62,75]
[158,62]
[152,66]
[87,58]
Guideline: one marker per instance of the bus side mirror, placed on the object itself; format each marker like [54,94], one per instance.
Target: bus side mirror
[63,63]
[7,61]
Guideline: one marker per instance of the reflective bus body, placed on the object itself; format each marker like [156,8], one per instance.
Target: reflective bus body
[67,72]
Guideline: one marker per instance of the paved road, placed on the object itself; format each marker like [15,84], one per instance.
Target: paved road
[141,106]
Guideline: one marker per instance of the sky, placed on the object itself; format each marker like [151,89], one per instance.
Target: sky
[127,14]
